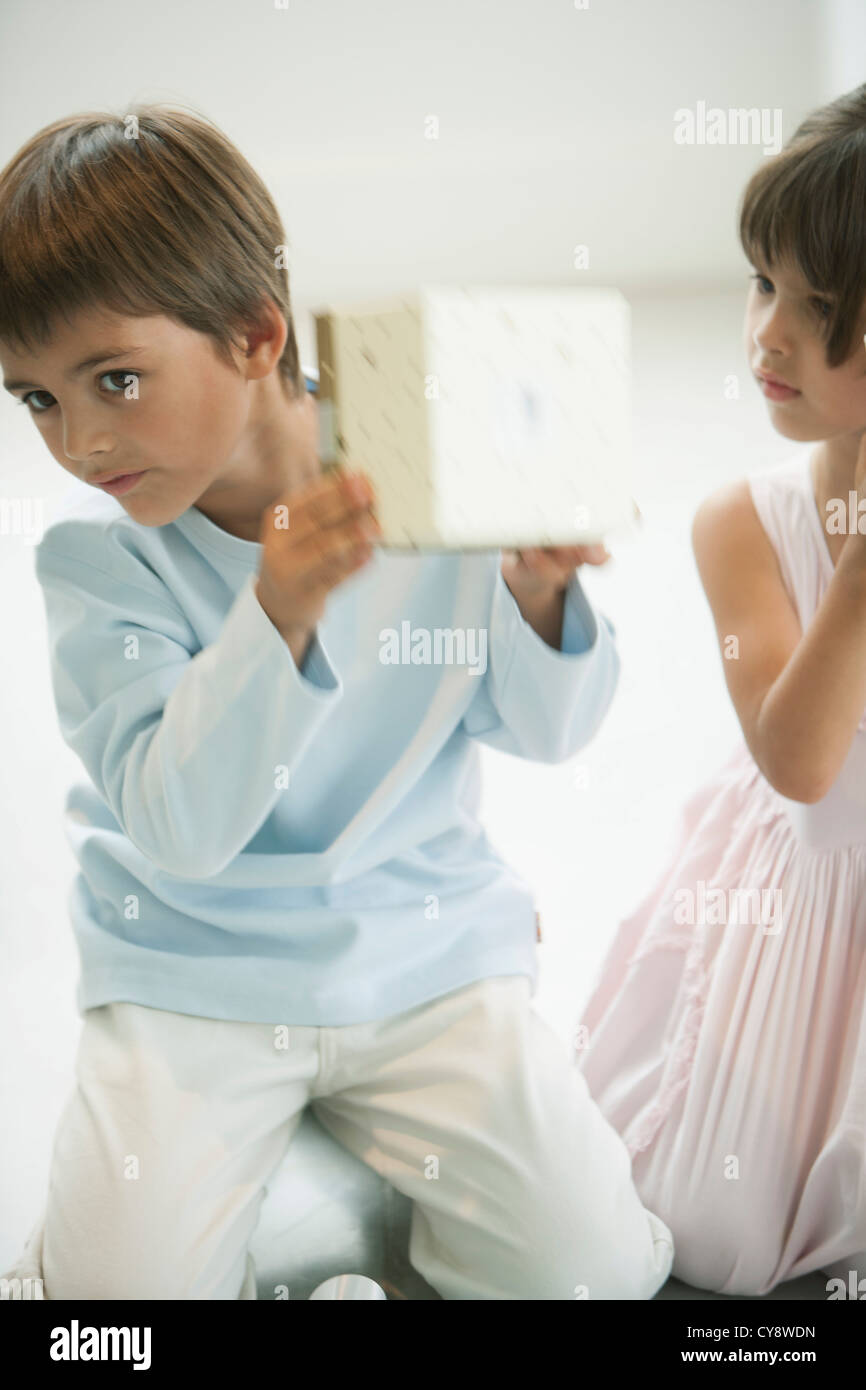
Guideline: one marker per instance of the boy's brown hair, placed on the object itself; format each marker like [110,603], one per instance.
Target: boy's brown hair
[808,205]
[171,221]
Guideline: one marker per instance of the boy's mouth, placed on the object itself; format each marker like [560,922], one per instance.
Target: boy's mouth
[120,482]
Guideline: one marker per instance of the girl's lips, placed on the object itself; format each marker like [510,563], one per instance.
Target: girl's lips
[124,483]
[776,392]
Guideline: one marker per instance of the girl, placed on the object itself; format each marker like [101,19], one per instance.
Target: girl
[726,1035]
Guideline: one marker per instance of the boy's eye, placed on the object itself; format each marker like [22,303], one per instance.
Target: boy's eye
[118,389]
[122,373]
[28,399]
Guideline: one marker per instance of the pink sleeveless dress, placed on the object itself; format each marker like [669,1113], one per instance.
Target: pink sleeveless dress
[725,1037]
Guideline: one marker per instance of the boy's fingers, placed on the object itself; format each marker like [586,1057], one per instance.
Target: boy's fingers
[330,501]
[324,545]
[541,563]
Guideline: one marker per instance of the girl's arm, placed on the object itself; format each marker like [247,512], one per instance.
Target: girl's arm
[798,696]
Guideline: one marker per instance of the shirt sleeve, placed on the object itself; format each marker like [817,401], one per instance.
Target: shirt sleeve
[536,702]
[183,744]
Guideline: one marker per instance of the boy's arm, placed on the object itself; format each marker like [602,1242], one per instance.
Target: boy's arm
[535,702]
[184,745]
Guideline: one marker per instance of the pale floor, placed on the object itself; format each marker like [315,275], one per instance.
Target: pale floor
[588,850]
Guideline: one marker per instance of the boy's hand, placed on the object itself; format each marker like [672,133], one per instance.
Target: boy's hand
[532,575]
[329,536]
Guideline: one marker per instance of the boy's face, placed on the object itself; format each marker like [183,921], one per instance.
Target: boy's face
[167,407]
[782,333]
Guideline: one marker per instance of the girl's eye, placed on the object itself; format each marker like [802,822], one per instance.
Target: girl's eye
[29,398]
[823,306]
[766,282]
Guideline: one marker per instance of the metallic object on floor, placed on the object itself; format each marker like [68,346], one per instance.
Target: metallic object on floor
[325,1209]
[349,1286]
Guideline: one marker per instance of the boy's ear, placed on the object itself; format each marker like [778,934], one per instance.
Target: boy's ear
[264,340]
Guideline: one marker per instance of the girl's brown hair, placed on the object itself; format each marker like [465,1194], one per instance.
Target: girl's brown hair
[153,212]
[807,205]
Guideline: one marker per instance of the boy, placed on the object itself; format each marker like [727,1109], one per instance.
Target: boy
[284,895]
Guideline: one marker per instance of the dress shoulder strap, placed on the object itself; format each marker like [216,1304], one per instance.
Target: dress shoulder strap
[785,502]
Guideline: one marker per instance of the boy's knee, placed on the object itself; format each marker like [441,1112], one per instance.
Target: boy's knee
[132,1264]
[634,1269]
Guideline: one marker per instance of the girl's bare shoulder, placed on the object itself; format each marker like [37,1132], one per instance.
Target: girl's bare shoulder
[729,542]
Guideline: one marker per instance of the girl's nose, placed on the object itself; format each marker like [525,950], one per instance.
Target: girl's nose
[771,332]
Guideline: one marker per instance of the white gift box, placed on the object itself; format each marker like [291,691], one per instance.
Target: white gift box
[484,417]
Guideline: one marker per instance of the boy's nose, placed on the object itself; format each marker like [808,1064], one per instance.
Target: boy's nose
[86,446]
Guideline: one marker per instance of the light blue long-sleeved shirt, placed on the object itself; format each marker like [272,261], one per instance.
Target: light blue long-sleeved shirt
[267,844]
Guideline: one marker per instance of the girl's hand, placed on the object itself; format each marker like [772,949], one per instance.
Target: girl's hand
[854,547]
[532,574]
[860,470]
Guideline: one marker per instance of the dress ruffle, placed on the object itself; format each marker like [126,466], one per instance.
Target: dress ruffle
[741,1038]
[696,982]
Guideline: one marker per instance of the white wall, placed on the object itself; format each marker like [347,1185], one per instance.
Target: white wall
[842,53]
[555,123]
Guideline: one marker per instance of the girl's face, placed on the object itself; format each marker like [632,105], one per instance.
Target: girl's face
[782,332]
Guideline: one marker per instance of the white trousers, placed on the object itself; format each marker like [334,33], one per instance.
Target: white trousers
[470,1105]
